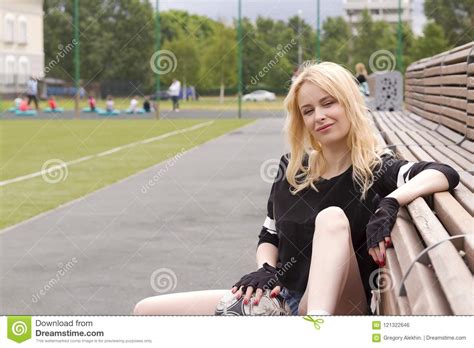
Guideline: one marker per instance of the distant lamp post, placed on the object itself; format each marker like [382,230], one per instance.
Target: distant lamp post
[239,58]
[300,49]
[400,38]
[158,46]
[318,33]
[77,62]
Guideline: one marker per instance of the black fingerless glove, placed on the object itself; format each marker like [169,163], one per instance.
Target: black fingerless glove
[381,223]
[264,278]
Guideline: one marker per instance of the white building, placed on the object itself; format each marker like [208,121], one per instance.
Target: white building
[380,10]
[21,44]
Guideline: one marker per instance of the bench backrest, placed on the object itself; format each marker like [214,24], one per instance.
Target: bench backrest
[441,89]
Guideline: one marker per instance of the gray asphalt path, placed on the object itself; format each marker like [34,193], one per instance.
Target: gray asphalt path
[194,227]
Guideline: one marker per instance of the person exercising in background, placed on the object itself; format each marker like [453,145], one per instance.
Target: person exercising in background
[174,91]
[92,103]
[52,103]
[109,104]
[32,91]
[331,209]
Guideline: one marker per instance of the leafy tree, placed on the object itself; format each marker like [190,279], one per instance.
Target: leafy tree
[58,39]
[375,43]
[219,64]
[335,40]
[455,17]
[432,42]
[187,61]
[128,52]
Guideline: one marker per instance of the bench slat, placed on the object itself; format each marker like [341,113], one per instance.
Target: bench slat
[456,220]
[392,304]
[454,68]
[423,290]
[446,101]
[446,80]
[453,274]
[428,139]
[461,193]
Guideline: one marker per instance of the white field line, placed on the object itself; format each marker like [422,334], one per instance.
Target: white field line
[104,153]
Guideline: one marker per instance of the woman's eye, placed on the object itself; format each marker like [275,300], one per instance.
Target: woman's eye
[307,111]
[328,103]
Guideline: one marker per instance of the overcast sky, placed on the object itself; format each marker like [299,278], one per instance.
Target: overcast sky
[277,9]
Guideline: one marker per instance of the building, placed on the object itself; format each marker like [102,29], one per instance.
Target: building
[21,44]
[380,10]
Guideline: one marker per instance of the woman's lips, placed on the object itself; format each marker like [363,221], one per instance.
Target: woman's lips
[323,128]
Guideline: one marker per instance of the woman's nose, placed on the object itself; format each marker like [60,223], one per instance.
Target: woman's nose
[319,115]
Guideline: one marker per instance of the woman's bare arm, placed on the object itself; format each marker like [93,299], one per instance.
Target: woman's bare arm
[268,253]
[425,183]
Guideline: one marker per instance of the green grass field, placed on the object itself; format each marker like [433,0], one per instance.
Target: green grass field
[26,145]
[204,103]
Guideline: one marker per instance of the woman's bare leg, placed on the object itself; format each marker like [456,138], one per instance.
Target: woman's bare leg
[183,303]
[334,282]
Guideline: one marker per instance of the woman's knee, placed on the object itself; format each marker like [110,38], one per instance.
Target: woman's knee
[144,308]
[332,219]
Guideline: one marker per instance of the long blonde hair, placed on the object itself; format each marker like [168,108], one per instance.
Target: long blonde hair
[361,70]
[362,141]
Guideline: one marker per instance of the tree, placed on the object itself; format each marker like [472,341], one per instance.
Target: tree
[220,60]
[308,40]
[335,40]
[58,39]
[375,44]
[187,61]
[432,42]
[116,39]
[455,17]
[128,52]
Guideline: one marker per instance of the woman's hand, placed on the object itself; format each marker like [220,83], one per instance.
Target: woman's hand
[264,278]
[379,228]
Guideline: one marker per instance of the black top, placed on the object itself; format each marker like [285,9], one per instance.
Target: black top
[361,78]
[290,218]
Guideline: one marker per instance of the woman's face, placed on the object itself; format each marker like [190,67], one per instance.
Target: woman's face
[322,114]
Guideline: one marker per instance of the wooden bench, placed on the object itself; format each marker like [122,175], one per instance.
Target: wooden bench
[430,269]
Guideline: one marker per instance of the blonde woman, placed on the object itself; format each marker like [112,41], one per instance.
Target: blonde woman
[331,208]
[362,76]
